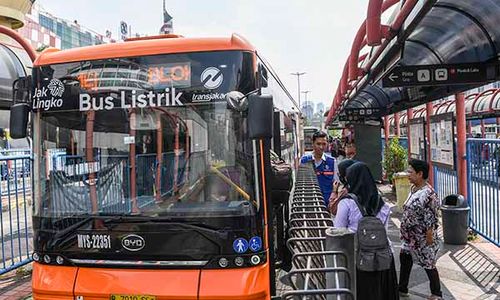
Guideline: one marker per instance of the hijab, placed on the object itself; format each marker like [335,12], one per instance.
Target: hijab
[361,183]
[343,165]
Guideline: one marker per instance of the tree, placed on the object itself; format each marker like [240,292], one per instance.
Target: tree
[42,47]
[395,158]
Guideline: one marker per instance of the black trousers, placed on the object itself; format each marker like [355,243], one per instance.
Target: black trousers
[379,285]
[404,276]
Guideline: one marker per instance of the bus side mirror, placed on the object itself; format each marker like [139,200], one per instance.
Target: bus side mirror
[18,122]
[260,116]
[263,77]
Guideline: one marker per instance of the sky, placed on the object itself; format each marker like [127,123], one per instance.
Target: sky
[312,36]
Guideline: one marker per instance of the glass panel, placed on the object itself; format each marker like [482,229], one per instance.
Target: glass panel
[147,136]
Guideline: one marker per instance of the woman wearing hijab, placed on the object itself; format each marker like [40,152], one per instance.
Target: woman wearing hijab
[370,285]
[338,193]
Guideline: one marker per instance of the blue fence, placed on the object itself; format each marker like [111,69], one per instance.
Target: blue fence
[445,181]
[483,187]
[15,210]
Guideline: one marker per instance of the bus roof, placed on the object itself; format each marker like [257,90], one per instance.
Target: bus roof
[152,46]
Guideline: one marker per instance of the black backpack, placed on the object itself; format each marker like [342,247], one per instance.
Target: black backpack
[373,250]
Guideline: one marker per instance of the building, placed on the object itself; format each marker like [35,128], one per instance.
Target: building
[43,29]
[12,12]
[167,26]
[308,110]
[320,108]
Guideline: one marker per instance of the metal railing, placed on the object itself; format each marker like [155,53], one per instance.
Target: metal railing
[15,210]
[445,181]
[322,256]
[483,187]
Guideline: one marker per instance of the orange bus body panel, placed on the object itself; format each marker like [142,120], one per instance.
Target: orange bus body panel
[235,284]
[53,282]
[142,48]
[100,283]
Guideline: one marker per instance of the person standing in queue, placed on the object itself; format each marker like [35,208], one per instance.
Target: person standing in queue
[419,237]
[325,166]
[350,151]
[340,187]
[363,201]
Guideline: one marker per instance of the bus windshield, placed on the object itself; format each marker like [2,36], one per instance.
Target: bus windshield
[143,136]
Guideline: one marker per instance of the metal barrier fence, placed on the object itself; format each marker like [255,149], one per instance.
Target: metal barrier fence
[15,206]
[483,187]
[445,181]
[322,256]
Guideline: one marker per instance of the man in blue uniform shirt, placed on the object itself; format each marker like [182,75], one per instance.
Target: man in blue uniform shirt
[325,166]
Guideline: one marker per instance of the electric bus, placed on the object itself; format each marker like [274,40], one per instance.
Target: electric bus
[151,172]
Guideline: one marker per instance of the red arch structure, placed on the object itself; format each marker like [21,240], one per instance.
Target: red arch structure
[369,33]
[18,38]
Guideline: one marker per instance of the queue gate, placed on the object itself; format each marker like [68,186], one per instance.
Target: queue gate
[322,256]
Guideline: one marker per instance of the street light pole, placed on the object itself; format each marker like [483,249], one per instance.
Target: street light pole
[305,93]
[298,74]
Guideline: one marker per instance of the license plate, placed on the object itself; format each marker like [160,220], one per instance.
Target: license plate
[94,241]
[132,297]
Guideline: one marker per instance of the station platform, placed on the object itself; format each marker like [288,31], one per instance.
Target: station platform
[467,272]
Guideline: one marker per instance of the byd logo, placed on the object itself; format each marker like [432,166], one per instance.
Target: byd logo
[133,242]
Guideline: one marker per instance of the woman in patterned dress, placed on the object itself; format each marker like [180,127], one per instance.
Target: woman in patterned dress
[420,242]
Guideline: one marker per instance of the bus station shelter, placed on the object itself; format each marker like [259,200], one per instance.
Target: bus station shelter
[429,50]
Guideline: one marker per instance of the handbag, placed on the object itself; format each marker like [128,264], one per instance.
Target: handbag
[281,178]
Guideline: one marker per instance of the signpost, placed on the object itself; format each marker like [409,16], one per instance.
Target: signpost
[437,75]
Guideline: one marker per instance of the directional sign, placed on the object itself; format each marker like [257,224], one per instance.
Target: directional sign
[352,118]
[433,75]
[367,112]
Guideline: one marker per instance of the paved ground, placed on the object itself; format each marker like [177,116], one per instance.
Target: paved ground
[468,272]
[16,284]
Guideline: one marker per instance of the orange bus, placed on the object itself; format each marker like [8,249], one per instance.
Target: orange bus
[152,169]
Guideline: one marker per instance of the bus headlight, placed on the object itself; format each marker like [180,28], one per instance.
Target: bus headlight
[255,259]
[36,257]
[223,262]
[59,260]
[46,259]
[239,261]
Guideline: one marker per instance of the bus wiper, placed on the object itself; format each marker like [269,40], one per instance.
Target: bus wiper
[63,231]
[203,229]
[76,221]
[158,219]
